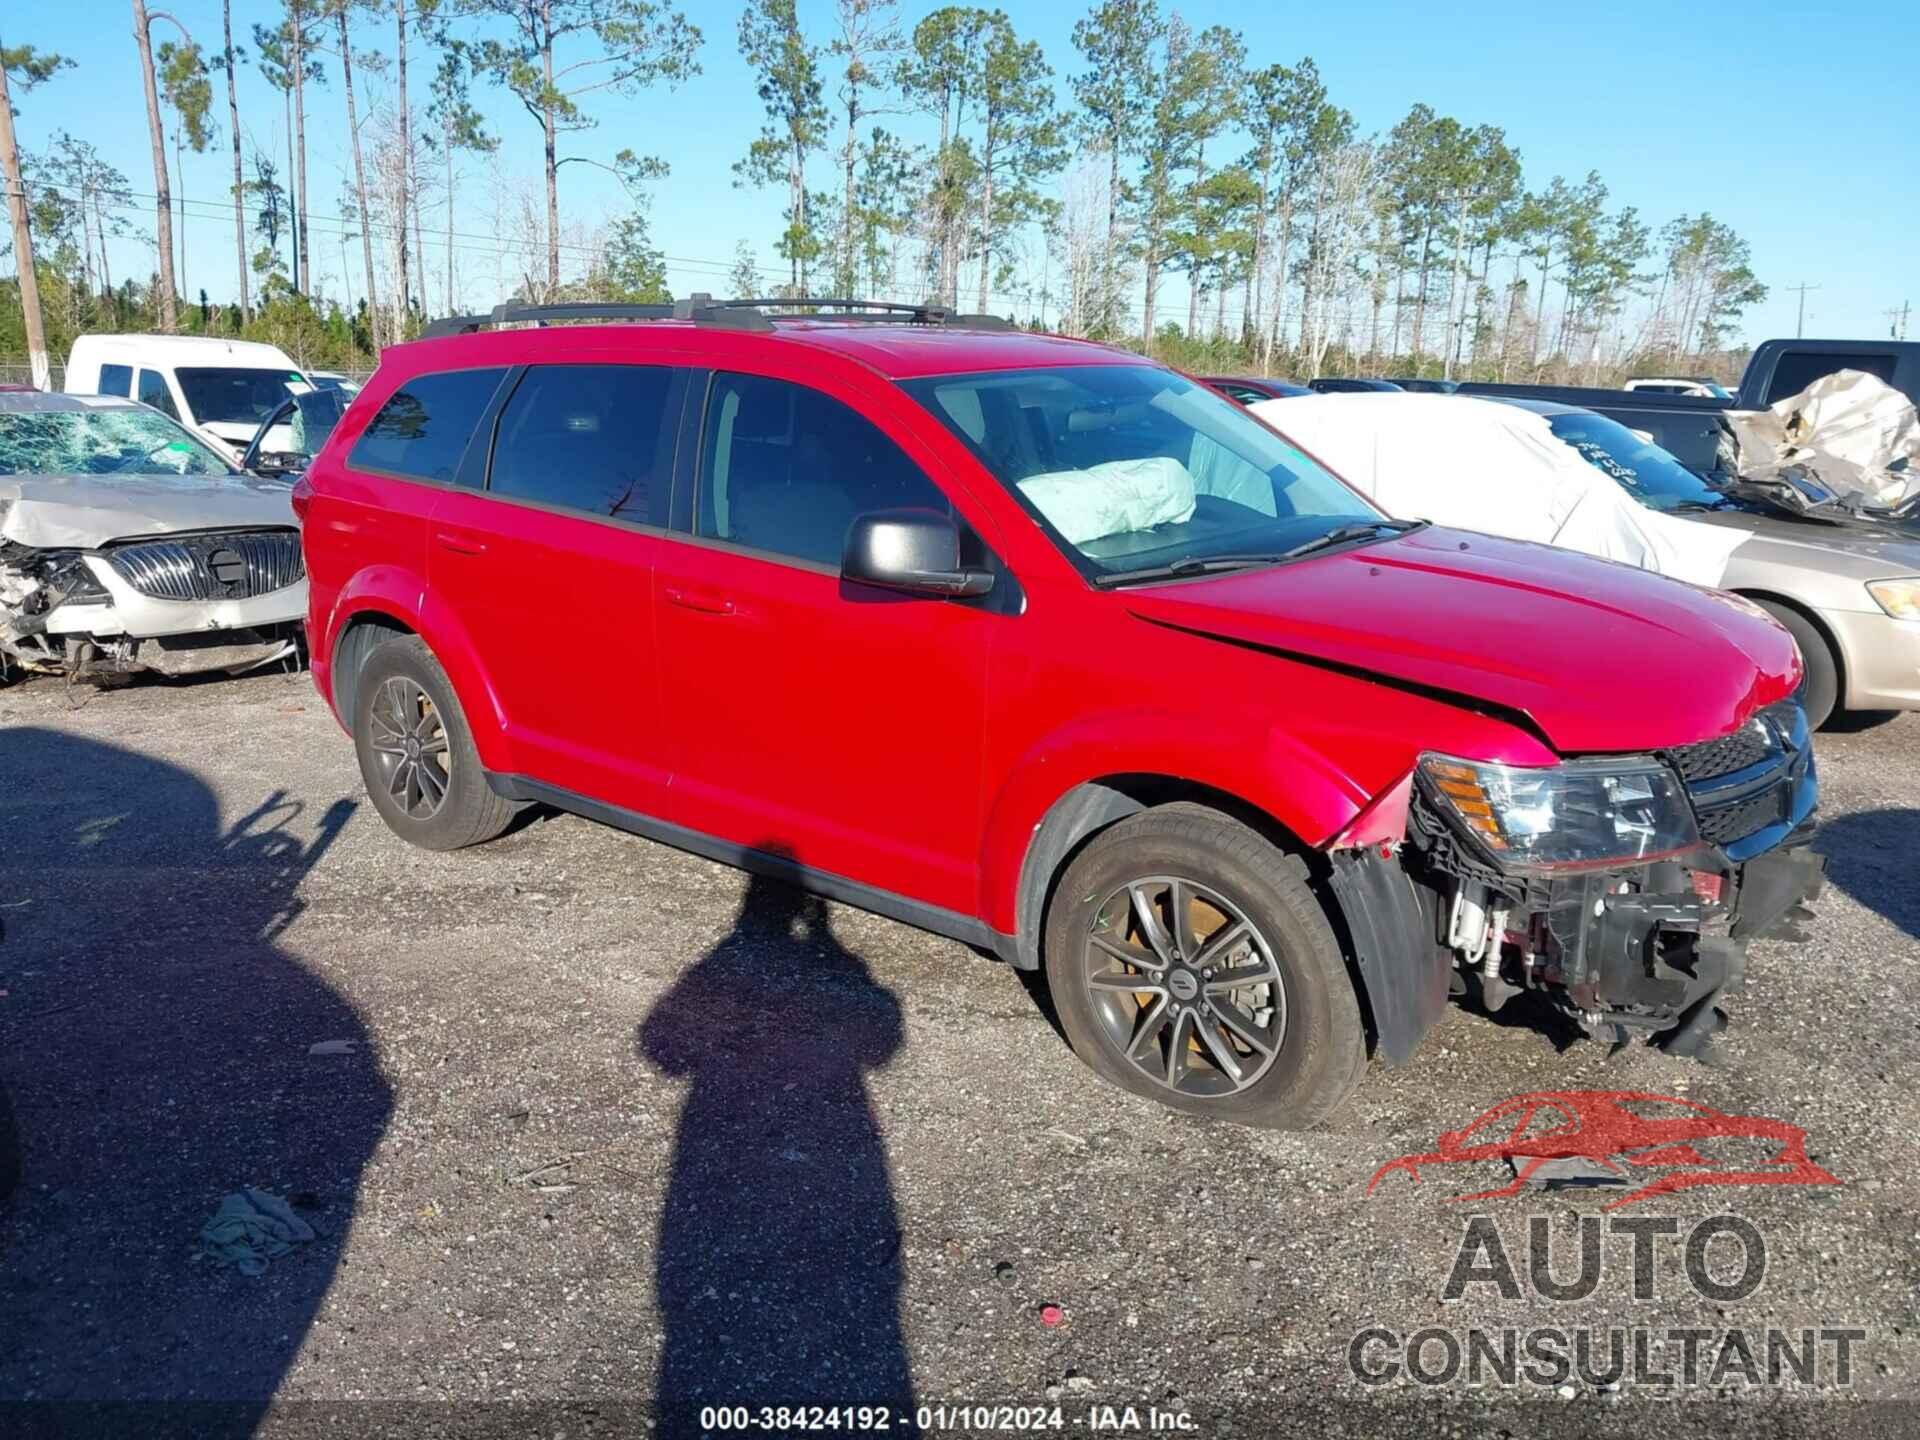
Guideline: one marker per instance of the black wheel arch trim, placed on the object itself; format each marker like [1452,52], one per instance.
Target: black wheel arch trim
[1404,971]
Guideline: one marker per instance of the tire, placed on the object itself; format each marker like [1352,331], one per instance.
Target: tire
[1315,1032]
[401,678]
[1819,690]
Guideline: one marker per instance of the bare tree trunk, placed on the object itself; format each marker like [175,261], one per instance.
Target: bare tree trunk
[1453,296]
[303,272]
[162,191]
[293,229]
[1420,295]
[23,235]
[553,174]
[407,199]
[180,169]
[1540,310]
[239,180]
[986,219]
[452,309]
[1107,275]
[360,180]
[1256,278]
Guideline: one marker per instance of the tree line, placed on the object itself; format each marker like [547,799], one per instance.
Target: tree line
[944,161]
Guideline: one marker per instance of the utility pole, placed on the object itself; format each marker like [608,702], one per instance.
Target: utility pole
[1800,326]
[1897,321]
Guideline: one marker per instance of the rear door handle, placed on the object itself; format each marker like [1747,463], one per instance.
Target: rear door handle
[459,544]
[702,601]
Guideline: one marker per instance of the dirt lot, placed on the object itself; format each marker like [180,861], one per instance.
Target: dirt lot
[616,1126]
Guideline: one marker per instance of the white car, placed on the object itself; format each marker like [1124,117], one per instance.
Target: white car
[1847,590]
[126,543]
[1680,385]
[221,389]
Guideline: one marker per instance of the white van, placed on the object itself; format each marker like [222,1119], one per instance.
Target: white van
[221,388]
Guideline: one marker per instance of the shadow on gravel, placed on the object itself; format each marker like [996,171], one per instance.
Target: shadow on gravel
[154,1045]
[778,1263]
[1870,855]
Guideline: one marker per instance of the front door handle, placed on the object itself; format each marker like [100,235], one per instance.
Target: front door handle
[459,544]
[702,601]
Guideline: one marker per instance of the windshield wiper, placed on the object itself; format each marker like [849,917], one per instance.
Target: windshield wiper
[1216,564]
[1192,565]
[1343,534]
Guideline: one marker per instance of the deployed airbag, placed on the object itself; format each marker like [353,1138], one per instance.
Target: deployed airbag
[1113,498]
[1482,465]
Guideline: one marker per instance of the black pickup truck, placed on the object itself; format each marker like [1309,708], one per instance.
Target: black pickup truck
[1689,426]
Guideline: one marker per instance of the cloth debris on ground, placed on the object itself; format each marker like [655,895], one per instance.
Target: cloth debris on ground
[251,1228]
[1849,441]
[1573,1172]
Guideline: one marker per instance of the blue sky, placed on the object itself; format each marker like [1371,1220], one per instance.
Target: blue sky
[1795,127]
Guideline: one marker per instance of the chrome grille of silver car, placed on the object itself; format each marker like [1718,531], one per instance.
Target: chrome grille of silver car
[211,567]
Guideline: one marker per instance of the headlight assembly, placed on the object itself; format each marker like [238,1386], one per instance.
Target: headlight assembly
[1899,598]
[1576,814]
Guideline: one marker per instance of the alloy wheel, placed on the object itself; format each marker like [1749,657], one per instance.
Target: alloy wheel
[410,751]
[1185,986]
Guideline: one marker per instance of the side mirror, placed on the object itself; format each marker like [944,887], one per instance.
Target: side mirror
[276,465]
[916,551]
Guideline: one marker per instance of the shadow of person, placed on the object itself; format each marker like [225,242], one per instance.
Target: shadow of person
[1870,855]
[778,1264]
[154,1045]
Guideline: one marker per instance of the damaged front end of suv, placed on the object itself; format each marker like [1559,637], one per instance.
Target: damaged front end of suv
[1622,889]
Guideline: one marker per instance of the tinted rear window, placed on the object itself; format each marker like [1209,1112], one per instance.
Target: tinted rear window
[423,429]
[1798,369]
[587,437]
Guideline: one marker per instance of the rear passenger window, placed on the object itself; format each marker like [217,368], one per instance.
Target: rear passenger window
[116,380]
[587,437]
[784,468]
[154,392]
[423,429]
[1798,369]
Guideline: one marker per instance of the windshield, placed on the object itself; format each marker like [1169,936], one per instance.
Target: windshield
[118,441]
[236,396]
[1132,468]
[1648,473]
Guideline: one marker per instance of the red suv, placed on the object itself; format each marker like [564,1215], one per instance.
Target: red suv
[1042,646]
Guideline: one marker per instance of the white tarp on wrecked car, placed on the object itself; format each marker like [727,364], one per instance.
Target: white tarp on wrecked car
[1481,465]
[1848,440]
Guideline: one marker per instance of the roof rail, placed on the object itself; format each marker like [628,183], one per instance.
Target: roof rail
[703,309]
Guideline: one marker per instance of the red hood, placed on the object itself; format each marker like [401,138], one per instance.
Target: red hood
[1602,657]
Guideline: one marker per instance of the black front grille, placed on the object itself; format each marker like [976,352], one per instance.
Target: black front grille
[1745,782]
[211,567]
[1710,759]
[1725,824]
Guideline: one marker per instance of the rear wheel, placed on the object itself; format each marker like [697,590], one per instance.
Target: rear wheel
[416,752]
[1819,688]
[1191,964]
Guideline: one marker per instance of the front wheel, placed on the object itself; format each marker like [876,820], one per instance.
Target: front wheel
[1819,690]
[1190,963]
[416,752]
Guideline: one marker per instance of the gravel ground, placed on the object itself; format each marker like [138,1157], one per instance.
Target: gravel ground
[614,1127]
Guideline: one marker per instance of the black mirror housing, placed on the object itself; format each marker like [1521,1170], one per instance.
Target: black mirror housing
[915,551]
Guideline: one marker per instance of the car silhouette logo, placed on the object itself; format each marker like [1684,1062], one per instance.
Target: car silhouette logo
[1619,1132]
